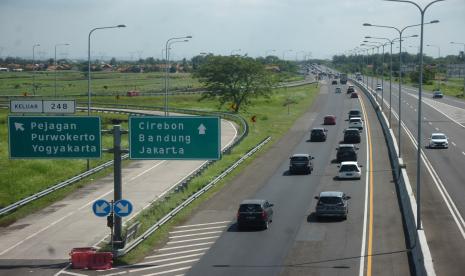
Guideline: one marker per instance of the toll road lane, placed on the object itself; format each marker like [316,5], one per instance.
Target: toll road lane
[442,176]
[52,232]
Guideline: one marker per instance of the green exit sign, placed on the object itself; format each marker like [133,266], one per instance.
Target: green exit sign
[174,137]
[54,137]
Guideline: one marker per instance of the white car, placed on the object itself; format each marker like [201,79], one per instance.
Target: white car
[438,140]
[356,122]
[379,87]
[349,170]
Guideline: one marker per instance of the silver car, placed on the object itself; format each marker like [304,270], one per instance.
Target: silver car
[332,204]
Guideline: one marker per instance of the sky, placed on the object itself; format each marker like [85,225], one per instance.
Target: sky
[289,28]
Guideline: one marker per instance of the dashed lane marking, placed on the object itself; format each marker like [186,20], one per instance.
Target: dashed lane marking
[191,240]
[163,265]
[201,224]
[197,229]
[177,253]
[184,246]
[197,234]
[453,144]
[168,271]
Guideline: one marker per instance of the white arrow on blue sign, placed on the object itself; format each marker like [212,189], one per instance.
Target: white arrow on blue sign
[101,208]
[122,208]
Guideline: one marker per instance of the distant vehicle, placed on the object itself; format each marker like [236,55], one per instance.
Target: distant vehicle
[338,90]
[301,163]
[332,204]
[356,122]
[438,140]
[255,213]
[355,113]
[352,135]
[318,134]
[329,120]
[343,78]
[353,95]
[349,170]
[358,76]
[346,152]
[350,89]
[379,87]
[334,82]
[437,94]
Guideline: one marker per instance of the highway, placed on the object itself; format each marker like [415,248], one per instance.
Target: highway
[442,172]
[370,242]
[45,238]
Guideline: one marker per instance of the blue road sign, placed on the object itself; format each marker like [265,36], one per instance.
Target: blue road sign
[101,208]
[122,208]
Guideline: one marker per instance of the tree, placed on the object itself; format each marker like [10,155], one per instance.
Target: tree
[233,80]
[113,61]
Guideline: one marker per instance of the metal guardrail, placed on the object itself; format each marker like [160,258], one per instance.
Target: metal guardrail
[105,165]
[189,200]
[409,222]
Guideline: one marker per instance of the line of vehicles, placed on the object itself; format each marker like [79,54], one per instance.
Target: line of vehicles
[259,212]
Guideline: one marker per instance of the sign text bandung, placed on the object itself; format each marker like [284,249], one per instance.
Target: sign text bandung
[174,137]
[54,137]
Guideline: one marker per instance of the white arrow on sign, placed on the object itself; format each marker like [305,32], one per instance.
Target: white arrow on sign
[124,209]
[100,209]
[202,129]
[19,126]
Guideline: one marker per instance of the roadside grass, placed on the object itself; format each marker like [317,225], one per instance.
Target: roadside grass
[272,120]
[20,178]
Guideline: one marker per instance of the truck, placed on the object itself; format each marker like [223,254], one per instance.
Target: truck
[343,78]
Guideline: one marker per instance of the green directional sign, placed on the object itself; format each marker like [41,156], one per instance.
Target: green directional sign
[54,137]
[174,137]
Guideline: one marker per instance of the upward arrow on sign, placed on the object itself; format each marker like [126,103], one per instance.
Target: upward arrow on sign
[202,129]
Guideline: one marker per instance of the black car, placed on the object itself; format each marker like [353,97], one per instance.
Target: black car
[355,113]
[301,163]
[254,213]
[346,152]
[352,135]
[334,82]
[318,135]
[350,89]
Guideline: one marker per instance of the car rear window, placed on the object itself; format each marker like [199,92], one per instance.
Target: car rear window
[349,168]
[355,121]
[438,137]
[330,200]
[317,131]
[299,158]
[354,112]
[250,208]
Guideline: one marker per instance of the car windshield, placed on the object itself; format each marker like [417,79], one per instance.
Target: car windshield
[317,131]
[352,132]
[438,137]
[330,200]
[349,168]
[250,208]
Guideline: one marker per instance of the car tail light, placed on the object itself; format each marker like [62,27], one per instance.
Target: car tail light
[264,216]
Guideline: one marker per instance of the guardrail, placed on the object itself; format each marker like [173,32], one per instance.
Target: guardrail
[400,174]
[189,200]
[74,179]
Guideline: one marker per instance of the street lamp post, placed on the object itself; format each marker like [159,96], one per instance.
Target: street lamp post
[34,68]
[56,45]
[460,43]
[285,51]
[168,66]
[422,12]
[400,71]
[167,69]
[377,45]
[439,56]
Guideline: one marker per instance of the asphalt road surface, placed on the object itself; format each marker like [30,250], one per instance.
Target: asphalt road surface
[442,172]
[369,242]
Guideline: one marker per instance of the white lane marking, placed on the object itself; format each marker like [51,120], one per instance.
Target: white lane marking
[163,265]
[429,123]
[198,229]
[415,110]
[170,259]
[62,270]
[201,224]
[69,273]
[424,118]
[117,273]
[365,209]
[463,152]
[35,234]
[169,271]
[191,240]
[197,234]
[177,253]
[437,129]
[147,170]
[453,144]
[184,246]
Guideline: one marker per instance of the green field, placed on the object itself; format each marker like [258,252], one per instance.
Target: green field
[70,83]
